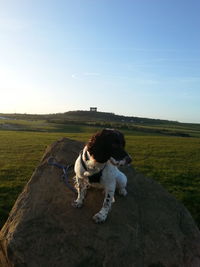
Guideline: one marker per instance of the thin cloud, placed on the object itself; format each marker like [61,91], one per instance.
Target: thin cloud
[92,74]
[85,74]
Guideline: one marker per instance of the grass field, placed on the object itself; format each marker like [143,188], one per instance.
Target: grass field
[172,161]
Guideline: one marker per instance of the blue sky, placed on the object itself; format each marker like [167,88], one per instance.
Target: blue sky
[130,57]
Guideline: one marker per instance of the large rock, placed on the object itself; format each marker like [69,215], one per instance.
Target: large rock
[148,228]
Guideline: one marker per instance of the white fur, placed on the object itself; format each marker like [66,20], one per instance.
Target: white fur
[111,179]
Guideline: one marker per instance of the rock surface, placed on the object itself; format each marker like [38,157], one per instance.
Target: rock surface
[148,228]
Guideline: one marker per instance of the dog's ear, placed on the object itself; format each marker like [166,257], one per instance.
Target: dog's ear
[98,147]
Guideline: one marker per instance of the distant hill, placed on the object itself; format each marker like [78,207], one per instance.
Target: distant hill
[81,115]
[111,117]
[107,120]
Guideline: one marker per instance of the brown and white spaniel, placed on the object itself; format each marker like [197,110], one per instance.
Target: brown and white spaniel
[98,162]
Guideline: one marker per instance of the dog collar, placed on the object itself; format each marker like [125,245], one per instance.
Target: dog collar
[94,178]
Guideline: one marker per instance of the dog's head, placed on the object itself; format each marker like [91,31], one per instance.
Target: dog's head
[109,144]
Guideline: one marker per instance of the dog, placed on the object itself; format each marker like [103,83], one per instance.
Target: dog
[98,162]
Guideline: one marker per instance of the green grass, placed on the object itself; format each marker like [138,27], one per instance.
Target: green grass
[172,161]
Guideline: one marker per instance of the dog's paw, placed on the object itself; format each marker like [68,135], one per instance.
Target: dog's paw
[122,192]
[99,218]
[77,204]
[87,174]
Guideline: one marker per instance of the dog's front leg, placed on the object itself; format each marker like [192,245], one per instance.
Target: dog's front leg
[81,187]
[108,200]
